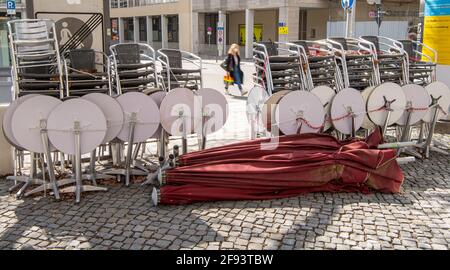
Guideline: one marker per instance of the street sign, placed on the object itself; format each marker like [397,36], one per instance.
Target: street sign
[11,7]
[210,30]
[283,30]
[347,4]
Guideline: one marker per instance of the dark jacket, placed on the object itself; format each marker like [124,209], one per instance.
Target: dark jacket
[231,64]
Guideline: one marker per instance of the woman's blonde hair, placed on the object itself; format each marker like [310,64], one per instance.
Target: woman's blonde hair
[234,48]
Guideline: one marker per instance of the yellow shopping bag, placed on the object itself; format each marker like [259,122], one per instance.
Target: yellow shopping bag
[228,79]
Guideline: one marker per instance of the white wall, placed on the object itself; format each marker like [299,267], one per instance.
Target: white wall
[392,29]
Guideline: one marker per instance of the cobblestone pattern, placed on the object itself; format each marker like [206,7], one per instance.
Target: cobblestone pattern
[123,218]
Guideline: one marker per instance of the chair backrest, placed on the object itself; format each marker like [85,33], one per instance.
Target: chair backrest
[408,47]
[272,48]
[341,41]
[303,44]
[82,59]
[128,53]
[374,40]
[175,57]
[31,31]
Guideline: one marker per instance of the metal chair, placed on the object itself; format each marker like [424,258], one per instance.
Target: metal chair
[391,59]
[84,75]
[176,74]
[277,68]
[422,67]
[356,61]
[133,68]
[36,62]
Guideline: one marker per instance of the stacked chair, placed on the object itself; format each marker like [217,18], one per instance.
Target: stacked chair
[133,68]
[392,62]
[356,62]
[36,61]
[84,75]
[175,73]
[422,67]
[277,69]
[320,65]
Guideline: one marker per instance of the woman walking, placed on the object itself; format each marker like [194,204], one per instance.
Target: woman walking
[233,67]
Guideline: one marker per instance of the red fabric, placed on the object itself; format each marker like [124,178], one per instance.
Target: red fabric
[301,164]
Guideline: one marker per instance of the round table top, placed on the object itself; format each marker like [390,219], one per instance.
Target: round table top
[346,101]
[300,108]
[28,119]
[418,98]
[367,123]
[147,116]
[214,105]
[436,90]
[112,111]
[326,95]
[158,97]
[91,123]
[269,108]
[7,120]
[255,101]
[177,109]
[390,91]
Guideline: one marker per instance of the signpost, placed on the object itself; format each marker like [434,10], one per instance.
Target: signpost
[220,38]
[11,7]
[283,28]
[349,8]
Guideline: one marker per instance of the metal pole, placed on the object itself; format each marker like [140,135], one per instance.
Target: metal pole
[78,187]
[133,121]
[51,170]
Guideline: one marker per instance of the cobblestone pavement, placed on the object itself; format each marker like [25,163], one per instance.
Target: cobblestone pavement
[123,218]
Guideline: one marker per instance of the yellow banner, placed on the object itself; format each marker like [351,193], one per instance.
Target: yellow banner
[257,33]
[437,36]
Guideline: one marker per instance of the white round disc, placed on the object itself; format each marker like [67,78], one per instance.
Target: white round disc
[147,114]
[269,109]
[367,124]
[344,101]
[7,120]
[326,95]
[158,97]
[61,126]
[112,111]
[436,90]
[214,104]
[27,119]
[177,109]
[296,106]
[390,91]
[418,97]
[255,102]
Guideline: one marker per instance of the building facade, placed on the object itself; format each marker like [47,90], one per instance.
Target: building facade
[160,23]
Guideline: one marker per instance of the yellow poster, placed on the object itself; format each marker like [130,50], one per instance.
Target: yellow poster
[257,33]
[437,35]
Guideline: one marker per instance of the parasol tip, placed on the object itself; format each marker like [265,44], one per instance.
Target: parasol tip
[156,196]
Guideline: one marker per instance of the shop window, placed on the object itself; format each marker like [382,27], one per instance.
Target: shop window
[142,29]
[211,20]
[172,28]
[156,26]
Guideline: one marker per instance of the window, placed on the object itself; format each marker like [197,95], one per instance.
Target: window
[114,3]
[211,20]
[128,29]
[123,3]
[115,29]
[142,29]
[172,28]
[156,23]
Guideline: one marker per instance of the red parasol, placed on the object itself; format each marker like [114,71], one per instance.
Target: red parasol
[301,164]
